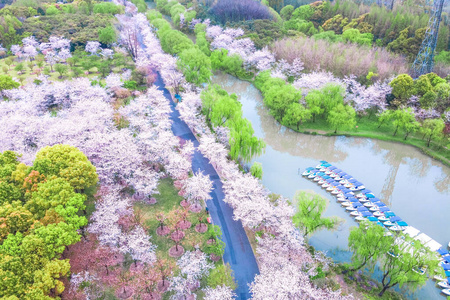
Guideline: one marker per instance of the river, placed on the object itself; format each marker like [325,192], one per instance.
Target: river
[413,185]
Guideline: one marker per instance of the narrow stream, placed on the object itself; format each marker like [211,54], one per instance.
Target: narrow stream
[414,186]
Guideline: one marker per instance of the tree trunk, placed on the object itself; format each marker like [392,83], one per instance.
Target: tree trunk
[107,271]
[314,118]
[383,290]
[407,133]
[335,130]
[395,132]
[429,140]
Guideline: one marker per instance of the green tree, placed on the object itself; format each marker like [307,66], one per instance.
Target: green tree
[51,10]
[304,12]
[402,87]
[107,35]
[221,275]
[19,68]
[408,265]
[407,121]
[432,128]
[243,143]
[314,101]
[296,114]
[7,83]
[279,99]
[342,116]
[174,41]
[286,12]
[309,213]
[66,162]
[61,69]
[195,66]
[368,243]
[256,170]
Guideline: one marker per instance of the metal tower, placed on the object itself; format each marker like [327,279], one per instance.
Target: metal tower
[424,61]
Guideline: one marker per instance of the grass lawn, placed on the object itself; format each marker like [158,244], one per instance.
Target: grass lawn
[168,200]
[368,127]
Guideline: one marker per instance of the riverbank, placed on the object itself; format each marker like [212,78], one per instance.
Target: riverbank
[367,126]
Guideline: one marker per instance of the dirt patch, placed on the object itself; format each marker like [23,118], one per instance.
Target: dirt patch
[173,252]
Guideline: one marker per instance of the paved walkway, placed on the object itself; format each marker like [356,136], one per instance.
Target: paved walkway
[238,252]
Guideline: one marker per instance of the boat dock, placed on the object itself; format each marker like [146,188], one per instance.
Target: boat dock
[362,204]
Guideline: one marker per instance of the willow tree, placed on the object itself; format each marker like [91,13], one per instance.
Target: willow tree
[243,143]
[309,213]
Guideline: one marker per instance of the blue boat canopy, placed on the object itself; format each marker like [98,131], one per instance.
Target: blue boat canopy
[366,213]
[357,183]
[326,165]
[447,273]
[337,171]
[370,196]
[326,177]
[381,224]
[442,251]
[342,173]
[384,209]
[332,168]
[373,219]
[352,180]
[353,199]
[310,168]
[347,176]
[375,199]
[349,195]
[329,179]
[357,204]
[446,267]
[395,219]
[362,208]
[323,162]
[366,191]
[389,214]
[402,223]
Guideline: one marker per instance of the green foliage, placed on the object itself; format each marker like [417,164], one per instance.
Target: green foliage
[9,28]
[295,115]
[309,213]
[256,170]
[52,10]
[107,8]
[202,43]
[341,116]
[79,28]
[195,65]
[130,84]
[402,87]
[35,230]
[221,275]
[303,12]
[7,83]
[61,69]
[432,129]
[443,57]
[107,35]
[233,64]
[153,14]
[174,41]
[286,12]
[66,162]
[354,36]
[222,109]
[280,98]
[368,243]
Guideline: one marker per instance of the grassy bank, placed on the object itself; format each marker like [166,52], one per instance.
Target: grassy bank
[368,127]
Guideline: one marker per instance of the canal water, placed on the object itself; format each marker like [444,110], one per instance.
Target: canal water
[414,186]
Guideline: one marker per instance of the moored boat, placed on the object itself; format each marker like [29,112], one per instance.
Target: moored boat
[374,208]
[322,162]
[383,219]
[439,277]
[446,292]
[395,228]
[360,218]
[369,204]
[445,284]
[378,214]
[347,203]
[388,223]
[350,208]
[307,171]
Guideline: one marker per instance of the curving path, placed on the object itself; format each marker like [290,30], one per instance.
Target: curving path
[238,252]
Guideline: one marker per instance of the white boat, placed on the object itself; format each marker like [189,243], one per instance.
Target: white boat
[439,277]
[348,185]
[395,228]
[360,218]
[374,208]
[363,200]
[340,195]
[325,185]
[341,199]
[350,208]
[383,219]
[444,284]
[446,292]
[335,191]
[346,203]
[378,214]
[388,223]
[332,175]
[360,195]
[312,175]
[369,204]
[357,188]
[318,178]
[356,214]
[330,188]
[448,245]
[328,172]
[343,181]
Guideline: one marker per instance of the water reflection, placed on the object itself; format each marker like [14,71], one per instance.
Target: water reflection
[412,184]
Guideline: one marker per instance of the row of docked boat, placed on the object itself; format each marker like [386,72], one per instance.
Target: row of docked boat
[362,204]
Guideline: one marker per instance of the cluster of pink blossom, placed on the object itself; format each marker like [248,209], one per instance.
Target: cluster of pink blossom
[92,47]
[282,253]
[222,292]
[193,266]
[56,50]
[316,80]
[197,188]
